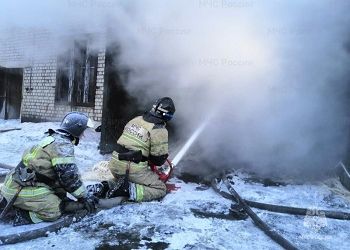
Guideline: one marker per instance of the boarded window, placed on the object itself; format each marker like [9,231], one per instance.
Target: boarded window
[76,76]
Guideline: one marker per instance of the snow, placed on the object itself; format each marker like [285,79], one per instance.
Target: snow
[13,143]
[170,223]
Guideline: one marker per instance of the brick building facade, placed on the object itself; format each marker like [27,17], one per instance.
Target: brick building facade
[43,76]
[53,83]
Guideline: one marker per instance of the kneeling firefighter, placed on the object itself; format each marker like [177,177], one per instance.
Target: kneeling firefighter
[37,187]
[144,142]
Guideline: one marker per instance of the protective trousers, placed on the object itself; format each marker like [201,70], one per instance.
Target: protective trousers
[40,201]
[145,184]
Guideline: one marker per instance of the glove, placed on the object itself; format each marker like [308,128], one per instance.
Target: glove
[90,203]
[162,171]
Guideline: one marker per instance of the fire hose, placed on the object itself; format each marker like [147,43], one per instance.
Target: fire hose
[257,221]
[39,232]
[245,204]
[283,209]
[163,176]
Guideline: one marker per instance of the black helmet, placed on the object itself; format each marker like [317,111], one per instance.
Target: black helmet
[163,109]
[75,123]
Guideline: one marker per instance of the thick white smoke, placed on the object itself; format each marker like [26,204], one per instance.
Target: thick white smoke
[275,73]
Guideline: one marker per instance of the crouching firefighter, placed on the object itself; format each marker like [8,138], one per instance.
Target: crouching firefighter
[144,142]
[36,189]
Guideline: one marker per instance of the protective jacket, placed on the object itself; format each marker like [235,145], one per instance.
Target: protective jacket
[53,162]
[151,139]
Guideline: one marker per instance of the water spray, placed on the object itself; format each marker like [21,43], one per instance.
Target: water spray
[190,141]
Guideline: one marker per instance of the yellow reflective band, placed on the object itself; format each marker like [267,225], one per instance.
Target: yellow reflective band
[26,192]
[48,140]
[34,217]
[139,192]
[62,160]
[31,155]
[115,155]
[160,143]
[141,143]
[79,192]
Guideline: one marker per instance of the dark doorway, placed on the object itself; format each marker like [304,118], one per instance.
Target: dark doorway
[118,106]
[10,92]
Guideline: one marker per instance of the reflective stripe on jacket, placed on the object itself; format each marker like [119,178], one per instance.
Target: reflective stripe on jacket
[138,134]
[42,158]
[141,135]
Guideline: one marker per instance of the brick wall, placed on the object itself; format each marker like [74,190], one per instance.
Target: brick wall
[99,86]
[32,50]
[19,46]
[39,83]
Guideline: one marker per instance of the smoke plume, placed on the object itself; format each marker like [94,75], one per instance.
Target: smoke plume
[271,75]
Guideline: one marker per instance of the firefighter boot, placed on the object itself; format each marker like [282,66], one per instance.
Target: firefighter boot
[8,217]
[3,204]
[22,217]
[99,189]
[121,188]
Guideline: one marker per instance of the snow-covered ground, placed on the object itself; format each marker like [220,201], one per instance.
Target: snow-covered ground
[170,223]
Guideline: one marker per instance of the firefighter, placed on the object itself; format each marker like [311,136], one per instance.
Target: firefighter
[144,142]
[46,173]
